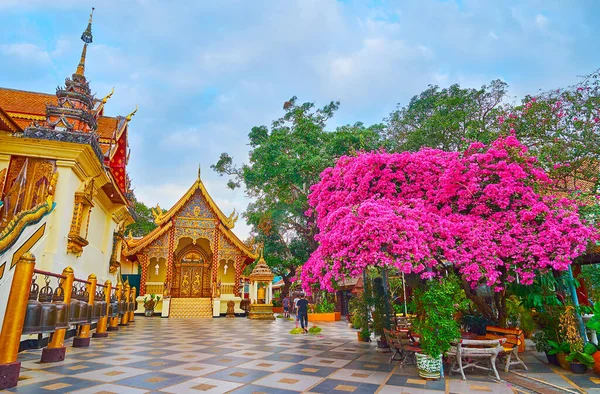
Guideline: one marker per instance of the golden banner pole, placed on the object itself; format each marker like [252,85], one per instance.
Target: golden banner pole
[114,321]
[56,349]
[83,337]
[133,303]
[101,326]
[10,336]
[125,317]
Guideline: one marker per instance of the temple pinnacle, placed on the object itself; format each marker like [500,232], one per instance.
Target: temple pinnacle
[86,37]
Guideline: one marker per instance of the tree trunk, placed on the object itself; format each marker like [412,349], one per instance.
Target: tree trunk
[479,302]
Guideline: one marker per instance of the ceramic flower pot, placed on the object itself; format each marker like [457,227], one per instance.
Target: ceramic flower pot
[562,361]
[596,366]
[429,367]
[149,312]
[578,368]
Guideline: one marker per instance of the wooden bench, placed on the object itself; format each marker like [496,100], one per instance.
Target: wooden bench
[403,345]
[514,339]
[469,353]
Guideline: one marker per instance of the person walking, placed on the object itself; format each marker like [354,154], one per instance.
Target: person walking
[303,312]
[295,308]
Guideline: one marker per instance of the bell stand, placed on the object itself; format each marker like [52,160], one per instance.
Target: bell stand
[113,324]
[103,322]
[82,339]
[55,351]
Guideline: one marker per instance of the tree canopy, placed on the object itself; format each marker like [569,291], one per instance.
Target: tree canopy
[144,221]
[284,161]
[482,212]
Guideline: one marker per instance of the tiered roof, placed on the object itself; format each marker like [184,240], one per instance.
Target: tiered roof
[164,222]
[73,114]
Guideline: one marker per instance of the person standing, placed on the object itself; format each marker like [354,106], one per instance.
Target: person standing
[295,308]
[303,312]
[286,307]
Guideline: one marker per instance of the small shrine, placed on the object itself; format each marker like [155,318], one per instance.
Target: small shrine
[261,291]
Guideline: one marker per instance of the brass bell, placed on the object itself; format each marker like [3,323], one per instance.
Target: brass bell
[33,315]
[97,309]
[85,313]
[48,308]
[114,306]
[74,307]
[122,305]
[62,309]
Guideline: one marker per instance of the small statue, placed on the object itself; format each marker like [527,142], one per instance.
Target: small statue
[225,269]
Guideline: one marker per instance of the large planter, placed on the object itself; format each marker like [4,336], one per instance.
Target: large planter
[429,367]
[578,368]
[277,309]
[562,361]
[596,366]
[333,316]
[360,339]
[552,359]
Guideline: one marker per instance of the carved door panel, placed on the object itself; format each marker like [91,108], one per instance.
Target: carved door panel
[192,278]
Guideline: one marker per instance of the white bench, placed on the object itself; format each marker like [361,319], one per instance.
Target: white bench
[472,353]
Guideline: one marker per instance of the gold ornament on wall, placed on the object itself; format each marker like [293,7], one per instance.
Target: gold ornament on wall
[80,222]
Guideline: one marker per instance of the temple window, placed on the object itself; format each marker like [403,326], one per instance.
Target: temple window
[84,201]
[26,185]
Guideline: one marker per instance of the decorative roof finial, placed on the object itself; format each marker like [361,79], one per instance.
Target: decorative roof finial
[86,37]
[199,171]
[105,99]
[128,117]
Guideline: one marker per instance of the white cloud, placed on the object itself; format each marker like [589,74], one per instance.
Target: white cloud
[26,52]
[541,21]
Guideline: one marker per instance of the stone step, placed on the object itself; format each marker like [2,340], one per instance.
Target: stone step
[185,308]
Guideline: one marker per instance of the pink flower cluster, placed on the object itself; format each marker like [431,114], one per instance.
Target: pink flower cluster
[480,211]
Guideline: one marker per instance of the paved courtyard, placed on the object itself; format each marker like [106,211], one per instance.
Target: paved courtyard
[240,356]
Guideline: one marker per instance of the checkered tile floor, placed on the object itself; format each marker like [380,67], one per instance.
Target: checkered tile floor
[234,355]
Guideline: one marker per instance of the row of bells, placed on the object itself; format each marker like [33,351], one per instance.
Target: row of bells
[48,312]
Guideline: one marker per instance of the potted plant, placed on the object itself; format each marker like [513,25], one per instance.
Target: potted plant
[560,351]
[277,305]
[577,358]
[364,335]
[594,324]
[581,360]
[435,325]
[150,304]
[540,339]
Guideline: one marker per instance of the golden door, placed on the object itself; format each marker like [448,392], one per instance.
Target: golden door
[192,277]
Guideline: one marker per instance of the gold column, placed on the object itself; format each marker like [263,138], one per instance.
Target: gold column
[56,349]
[114,321]
[125,317]
[134,302]
[83,332]
[10,336]
[101,325]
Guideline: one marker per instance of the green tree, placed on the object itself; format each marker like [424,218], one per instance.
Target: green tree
[284,161]
[144,221]
[447,118]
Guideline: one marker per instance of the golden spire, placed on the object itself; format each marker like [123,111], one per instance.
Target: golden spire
[199,171]
[86,37]
[128,117]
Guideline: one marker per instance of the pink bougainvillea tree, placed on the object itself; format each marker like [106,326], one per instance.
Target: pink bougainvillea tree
[485,213]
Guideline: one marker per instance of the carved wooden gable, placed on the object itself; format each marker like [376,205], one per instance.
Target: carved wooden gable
[195,220]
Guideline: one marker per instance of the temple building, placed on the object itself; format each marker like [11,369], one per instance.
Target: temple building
[192,257]
[64,191]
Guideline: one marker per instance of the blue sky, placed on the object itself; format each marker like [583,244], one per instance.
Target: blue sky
[205,72]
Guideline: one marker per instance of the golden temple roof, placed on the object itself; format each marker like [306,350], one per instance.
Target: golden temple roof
[164,222]
[24,107]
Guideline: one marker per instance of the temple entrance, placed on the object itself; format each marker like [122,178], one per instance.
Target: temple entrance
[192,274]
